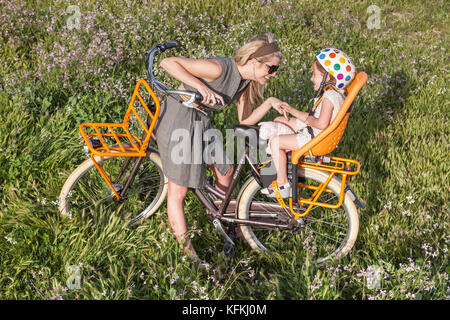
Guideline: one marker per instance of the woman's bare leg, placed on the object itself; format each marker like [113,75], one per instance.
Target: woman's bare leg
[175,209]
[177,218]
[223,181]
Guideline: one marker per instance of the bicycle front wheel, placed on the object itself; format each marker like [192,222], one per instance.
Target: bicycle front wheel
[327,234]
[85,190]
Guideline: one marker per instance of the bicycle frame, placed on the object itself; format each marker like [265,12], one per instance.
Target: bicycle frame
[225,209]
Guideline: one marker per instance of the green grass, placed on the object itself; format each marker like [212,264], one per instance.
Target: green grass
[52,79]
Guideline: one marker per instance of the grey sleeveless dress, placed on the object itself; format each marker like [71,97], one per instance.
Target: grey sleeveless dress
[180,131]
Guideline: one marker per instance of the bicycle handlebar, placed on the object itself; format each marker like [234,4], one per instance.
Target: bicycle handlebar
[194,96]
[168,45]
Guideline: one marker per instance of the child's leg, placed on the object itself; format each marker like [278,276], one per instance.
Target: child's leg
[279,145]
[292,122]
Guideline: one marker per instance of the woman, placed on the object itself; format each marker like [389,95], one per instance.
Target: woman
[241,78]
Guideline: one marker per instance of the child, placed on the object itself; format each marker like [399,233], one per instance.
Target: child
[332,71]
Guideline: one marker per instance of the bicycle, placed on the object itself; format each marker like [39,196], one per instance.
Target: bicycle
[314,221]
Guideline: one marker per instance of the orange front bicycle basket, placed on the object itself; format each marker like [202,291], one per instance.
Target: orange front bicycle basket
[129,138]
[120,139]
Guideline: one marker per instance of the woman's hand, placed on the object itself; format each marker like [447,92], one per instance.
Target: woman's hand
[286,109]
[275,103]
[282,107]
[258,113]
[209,96]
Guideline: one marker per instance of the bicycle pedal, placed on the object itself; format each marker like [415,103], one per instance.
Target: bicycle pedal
[218,225]
[229,249]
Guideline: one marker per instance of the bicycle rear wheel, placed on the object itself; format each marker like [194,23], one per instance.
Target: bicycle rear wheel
[85,190]
[327,234]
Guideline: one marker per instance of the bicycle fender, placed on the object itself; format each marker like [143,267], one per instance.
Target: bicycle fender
[238,198]
[150,149]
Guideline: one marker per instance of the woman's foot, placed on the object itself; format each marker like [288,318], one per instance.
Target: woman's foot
[189,250]
[198,263]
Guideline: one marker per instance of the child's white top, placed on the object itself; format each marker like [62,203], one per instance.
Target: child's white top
[336,98]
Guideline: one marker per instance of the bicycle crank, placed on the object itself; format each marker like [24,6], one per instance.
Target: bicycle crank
[229,247]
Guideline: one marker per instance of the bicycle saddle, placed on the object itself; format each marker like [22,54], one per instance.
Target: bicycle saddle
[251,135]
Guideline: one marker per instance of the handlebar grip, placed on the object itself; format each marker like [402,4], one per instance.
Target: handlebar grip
[168,45]
[199,99]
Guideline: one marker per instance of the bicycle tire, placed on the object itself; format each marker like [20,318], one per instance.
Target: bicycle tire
[86,190]
[308,237]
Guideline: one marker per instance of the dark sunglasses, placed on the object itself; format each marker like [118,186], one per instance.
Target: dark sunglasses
[272,69]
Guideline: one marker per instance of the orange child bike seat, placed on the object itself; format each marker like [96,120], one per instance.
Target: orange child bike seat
[117,139]
[327,140]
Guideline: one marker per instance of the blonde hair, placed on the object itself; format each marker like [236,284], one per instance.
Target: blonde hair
[253,94]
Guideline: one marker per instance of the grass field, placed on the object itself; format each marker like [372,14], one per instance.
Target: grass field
[62,66]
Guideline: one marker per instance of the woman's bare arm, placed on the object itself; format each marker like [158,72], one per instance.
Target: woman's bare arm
[258,113]
[188,71]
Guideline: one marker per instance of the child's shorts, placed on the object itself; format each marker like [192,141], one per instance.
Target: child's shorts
[270,129]
[303,137]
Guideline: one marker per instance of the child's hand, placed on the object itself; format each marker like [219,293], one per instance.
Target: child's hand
[281,106]
[285,109]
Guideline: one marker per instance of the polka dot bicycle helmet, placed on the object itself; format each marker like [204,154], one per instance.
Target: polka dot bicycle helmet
[338,64]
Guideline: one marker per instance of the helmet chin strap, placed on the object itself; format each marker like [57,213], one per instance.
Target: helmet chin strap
[323,84]
[319,93]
